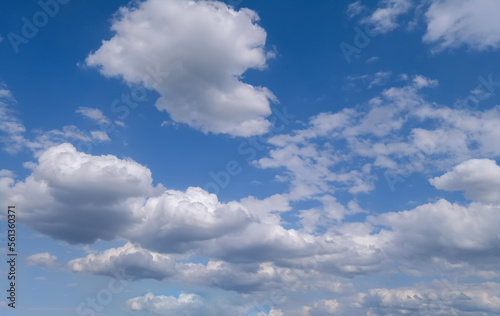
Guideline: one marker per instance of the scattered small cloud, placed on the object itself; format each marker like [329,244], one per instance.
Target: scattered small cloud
[356,8]
[120,123]
[44,259]
[100,136]
[93,114]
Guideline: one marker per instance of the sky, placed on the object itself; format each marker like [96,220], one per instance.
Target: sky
[253,158]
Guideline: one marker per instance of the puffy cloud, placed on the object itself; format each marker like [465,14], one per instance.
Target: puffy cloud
[78,197]
[241,278]
[44,259]
[260,242]
[479,178]
[128,261]
[177,221]
[205,48]
[456,233]
[474,23]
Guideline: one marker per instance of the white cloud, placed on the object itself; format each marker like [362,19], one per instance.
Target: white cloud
[197,66]
[7,173]
[422,82]
[380,78]
[128,261]
[355,9]
[81,198]
[10,125]
[479,178]
[13,130]
[93,114]
[456,233]
[321,308]
[185,304]
[43,140]
[397,131]
[42,259]
[474,23]
[78,197]
[176,221]
[439,297]
[100,136]
[120,123]
[384,18]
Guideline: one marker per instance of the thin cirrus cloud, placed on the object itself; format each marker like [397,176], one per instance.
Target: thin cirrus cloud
[205,49]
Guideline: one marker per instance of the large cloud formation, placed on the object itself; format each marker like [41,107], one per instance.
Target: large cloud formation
[194,54]
[78,197]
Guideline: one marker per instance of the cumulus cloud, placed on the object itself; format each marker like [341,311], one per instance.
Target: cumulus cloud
[247,246]
[475,24]
[456,233]
[197,66]
[42,259]
[128,261]
[176,221]
[78,197]
[479,178]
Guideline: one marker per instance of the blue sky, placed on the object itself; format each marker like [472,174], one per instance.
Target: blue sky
[251,158]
